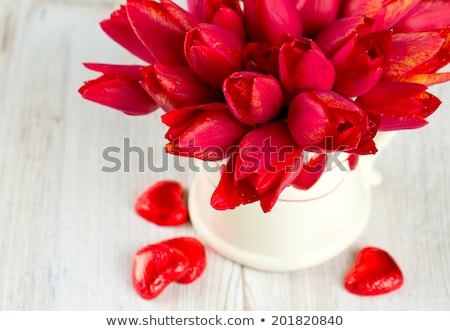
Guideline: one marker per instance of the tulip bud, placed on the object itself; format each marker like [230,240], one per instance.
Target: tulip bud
[253,98]
[118,88]
[303,67]
[176,87]
[326,120]
[213,53]
[207,132]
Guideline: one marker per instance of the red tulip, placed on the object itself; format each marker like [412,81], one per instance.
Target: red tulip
[416,56]
[267,161]
[268,20]
[207,132]
[399,105]
[326,120]
[253,98]
[359,64]
[317,14]
[118,88]
[161,27]
[303,67]
[423,17]
[118,28]
[176,87]
[213,53]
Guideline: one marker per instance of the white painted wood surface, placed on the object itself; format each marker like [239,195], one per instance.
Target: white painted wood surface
[68,231]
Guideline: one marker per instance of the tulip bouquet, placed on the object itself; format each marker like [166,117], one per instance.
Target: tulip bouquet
[259,83]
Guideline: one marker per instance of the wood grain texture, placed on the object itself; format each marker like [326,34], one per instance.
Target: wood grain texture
[68,231]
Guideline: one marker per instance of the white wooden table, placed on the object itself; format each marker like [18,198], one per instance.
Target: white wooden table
[68,231]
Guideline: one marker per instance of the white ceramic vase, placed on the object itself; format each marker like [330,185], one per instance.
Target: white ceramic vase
[305,228]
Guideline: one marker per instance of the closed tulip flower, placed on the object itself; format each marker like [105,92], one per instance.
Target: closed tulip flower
[213,53]
[253,98]
[207,132]
[118,87]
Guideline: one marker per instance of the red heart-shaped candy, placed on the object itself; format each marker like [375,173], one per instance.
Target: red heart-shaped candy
[375,272]
[155,267]
[163,204]
[195,253]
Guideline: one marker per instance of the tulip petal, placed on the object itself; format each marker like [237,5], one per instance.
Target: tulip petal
[337,34]
[399,105]
[227,195]
[182,17]
[311,172]
[387,93]
[386,13]
[423,17]
[268,201]
[127,72]
[410,50]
